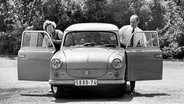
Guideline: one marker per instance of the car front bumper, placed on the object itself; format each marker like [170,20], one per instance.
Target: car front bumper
[72,82]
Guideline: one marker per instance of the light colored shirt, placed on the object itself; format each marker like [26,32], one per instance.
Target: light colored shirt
[125,33]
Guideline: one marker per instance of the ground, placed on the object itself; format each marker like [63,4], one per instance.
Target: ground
[169,90]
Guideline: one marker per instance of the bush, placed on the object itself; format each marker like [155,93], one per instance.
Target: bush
[167,53]
[10,42]
[178,53]
[173,52]
[180,39]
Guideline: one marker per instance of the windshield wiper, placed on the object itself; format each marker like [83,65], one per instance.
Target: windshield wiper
[89,44]
[110,45]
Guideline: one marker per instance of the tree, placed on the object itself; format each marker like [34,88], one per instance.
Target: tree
[174,24]
[97,11]
[63,12]
[121,12]
[151,13]
[6,17]
[30,11]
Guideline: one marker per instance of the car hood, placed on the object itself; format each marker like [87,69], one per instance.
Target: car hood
[87,62]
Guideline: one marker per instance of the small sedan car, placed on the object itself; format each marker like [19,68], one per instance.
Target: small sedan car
[90,55]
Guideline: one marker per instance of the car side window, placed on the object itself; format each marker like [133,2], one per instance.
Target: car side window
[152,39]
[36,39]
[26,40]
[144,39]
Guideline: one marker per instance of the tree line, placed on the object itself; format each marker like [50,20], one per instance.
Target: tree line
[165,16]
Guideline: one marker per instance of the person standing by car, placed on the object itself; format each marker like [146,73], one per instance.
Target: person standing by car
[126,32]
[139,39]
[55,34]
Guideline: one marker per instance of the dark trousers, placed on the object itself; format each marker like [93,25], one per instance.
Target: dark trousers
[132,86]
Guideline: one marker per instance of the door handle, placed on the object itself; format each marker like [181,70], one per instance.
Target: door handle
[21,55]
[158,55]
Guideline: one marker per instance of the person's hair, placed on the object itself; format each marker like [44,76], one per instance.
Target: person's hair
[47,22]
[135,16]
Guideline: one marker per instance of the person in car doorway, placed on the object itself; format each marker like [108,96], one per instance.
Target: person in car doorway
[137,40]
[126,32]
[55,34]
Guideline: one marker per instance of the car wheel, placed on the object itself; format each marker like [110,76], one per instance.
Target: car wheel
[117,90]
[122,89]
[57,91]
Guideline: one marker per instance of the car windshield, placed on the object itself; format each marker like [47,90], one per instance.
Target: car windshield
[91,39]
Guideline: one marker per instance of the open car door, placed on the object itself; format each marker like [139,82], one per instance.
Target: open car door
[34,56]
[144,62]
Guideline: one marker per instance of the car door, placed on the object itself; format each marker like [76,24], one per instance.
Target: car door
[34,56]
[144,62]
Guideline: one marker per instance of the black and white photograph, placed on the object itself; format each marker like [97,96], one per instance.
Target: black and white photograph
[91,51]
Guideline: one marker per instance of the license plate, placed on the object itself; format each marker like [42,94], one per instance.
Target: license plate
[87,82]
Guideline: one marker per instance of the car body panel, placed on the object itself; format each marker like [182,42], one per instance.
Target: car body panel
[62,73]
[33,59]
[92,61]
[142,64]
[92,27]
[35,66]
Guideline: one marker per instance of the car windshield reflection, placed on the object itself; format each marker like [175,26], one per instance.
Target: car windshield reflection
[91,39]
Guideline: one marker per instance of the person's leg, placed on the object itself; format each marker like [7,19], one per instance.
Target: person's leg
[50,89]
[132,85]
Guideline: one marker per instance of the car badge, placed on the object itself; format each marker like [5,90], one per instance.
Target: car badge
[86,73]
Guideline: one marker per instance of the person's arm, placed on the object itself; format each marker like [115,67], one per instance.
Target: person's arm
[121,36]
[60,36]
[144,40]
[46,42]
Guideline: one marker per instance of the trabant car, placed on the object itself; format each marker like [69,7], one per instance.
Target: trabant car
[90,55]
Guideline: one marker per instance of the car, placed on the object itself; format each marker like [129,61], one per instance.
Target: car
[90,55]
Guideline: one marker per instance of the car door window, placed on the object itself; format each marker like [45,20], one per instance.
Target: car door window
[152,39]
[144,39]
[37,39]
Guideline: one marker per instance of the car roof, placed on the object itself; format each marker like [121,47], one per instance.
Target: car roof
[92,27]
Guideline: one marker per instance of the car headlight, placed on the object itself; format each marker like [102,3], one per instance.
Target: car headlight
[55,63]
[117,63]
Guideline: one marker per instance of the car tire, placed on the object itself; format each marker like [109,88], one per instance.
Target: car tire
[120,91]
[117,90]
[57,91]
